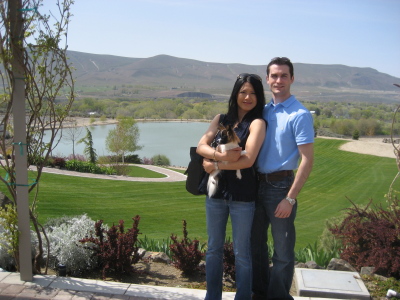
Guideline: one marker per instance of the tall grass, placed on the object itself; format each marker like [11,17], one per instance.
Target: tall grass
[156,245]
[314,253]
[162,206]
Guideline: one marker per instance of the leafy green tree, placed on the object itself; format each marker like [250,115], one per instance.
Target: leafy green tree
[124,138]
[89,150]
[160,160]
[327,112]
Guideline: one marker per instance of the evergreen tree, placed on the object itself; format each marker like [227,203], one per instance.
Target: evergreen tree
[89,150]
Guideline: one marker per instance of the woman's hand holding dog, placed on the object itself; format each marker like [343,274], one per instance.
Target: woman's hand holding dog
[230,155]
[208,165]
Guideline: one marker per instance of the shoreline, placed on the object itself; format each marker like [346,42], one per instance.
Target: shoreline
[364,145]
[82,121]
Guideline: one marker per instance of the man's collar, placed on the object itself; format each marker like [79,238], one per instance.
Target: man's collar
[285,103]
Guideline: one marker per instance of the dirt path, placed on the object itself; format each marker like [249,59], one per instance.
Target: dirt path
[372,146]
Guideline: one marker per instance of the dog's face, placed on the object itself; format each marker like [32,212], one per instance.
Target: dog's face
[228,135]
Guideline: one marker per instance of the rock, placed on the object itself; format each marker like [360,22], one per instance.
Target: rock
[380,277]
[141,252]
[162,258]
[340,265]
[157,257]
[367,270]
[312,265]
[301,265]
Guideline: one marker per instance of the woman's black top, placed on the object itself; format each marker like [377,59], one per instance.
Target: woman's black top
[229,186]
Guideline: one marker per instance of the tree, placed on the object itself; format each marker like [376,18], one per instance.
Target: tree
[160,160]
[71,134]
[34,69]
[124,138]
[356,135]
[89,150]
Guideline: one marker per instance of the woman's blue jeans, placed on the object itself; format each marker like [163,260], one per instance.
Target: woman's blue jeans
[273,283]
[241,213]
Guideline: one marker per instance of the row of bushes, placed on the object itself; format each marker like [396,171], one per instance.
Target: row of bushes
[80,164]
[363,237]
[87,247]
[88,167]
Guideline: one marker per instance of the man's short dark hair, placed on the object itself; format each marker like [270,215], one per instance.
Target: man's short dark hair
[280,61]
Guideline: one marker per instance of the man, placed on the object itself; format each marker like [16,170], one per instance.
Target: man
[289,138]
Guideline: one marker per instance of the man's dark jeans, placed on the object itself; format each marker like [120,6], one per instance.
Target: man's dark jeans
[274,283]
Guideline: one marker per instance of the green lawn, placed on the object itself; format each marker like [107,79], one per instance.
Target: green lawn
[163,206]
[134,171]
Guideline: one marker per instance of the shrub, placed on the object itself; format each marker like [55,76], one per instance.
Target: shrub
[132,159]
[356,135]
[49,162]
[229,260]
[147,161]
[33,159]
[9,235]
[371,237]
[129,159]
[59,162]
[115,249]
[121,169]
[78,157]
[327,241]
[7,261]
[160,160]
[88,167]
[186,254]
[63,234]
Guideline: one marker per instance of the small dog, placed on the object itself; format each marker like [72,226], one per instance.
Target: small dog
[229,140]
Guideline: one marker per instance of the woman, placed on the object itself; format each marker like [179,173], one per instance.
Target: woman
[234,197]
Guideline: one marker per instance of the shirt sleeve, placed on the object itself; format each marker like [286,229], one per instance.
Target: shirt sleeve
[304,128]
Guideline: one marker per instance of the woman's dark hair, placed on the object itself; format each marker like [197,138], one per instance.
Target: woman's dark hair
[256,112]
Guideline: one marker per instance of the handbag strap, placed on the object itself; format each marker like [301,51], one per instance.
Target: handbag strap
[222,118]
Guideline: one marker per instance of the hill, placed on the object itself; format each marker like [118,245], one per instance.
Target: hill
[167,76]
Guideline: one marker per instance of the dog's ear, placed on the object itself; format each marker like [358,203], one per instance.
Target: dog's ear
[232,136]
[223,134]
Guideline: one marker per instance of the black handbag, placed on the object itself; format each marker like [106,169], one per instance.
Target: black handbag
[196,181]
[195,173]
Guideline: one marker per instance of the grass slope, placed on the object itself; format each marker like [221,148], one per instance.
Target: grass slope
[163,206]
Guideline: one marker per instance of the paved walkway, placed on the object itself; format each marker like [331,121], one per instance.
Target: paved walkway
[67,288]
[171,175]
[51,287]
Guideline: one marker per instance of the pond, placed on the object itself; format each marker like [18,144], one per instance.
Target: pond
[172,139]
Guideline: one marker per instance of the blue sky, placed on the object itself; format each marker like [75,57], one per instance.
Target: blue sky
[359,33]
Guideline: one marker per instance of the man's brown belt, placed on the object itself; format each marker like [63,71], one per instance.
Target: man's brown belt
[276,176]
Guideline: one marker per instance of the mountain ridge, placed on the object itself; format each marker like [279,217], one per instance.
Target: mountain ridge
[167,76]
